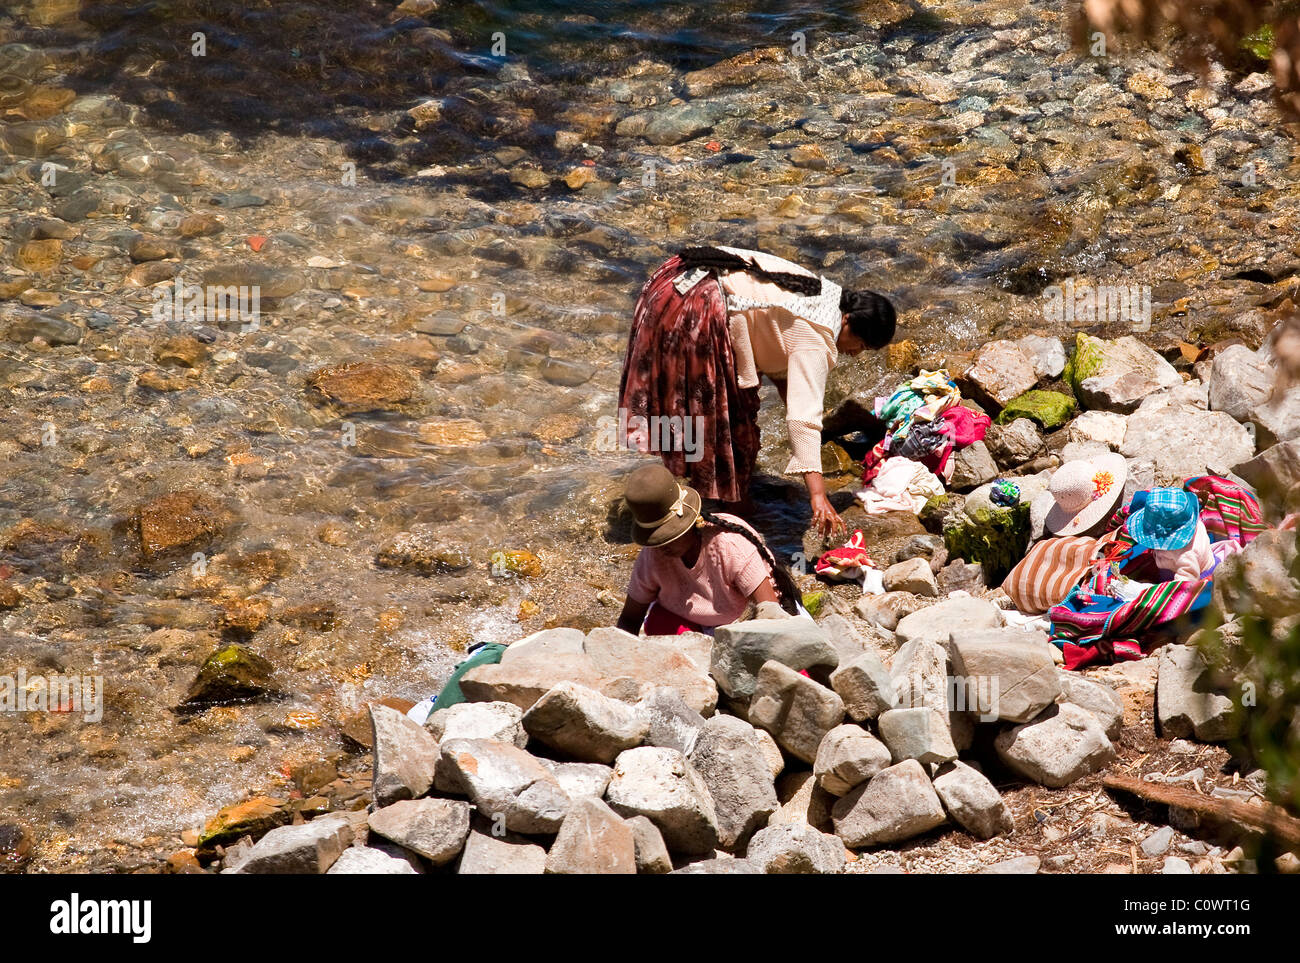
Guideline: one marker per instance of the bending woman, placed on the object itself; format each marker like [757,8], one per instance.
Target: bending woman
[697,570]
[707,324]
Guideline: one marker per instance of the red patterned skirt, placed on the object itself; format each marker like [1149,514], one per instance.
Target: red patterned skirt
[678,397]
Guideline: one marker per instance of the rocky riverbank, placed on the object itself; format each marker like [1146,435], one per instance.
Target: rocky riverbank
[339,488]
[919,730]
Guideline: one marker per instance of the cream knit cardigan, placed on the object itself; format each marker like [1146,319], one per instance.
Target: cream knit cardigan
[789,337]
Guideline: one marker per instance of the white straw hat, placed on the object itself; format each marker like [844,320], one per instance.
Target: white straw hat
[1084,492]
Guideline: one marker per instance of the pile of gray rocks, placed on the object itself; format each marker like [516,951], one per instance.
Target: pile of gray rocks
[1226,414]
[774,747]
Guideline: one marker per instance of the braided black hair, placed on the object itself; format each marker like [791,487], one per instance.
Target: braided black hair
[786,590]
[717,259]
[869,315]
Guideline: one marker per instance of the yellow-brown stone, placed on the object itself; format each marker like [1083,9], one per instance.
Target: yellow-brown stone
[200,225]
[553,429]
[253,817]
[515,562]
[902,355]
[161,381]
[40,257]
[183,351]
[452,433]
[178,520]
[436,285]
[364,385]
[579,178]
[244,616]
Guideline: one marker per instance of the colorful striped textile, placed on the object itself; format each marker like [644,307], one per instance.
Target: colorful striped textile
[1052,567]
[1093,626]
[1090,625]
[1227,509]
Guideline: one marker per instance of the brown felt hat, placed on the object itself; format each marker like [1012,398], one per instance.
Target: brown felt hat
[663,507]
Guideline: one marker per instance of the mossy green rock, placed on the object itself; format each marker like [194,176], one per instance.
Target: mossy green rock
[937,511]
[1260,43]
[996,538]
[252,817]
[230,674]
[813,602]
[509,562]
[1116,375]
[1050,409]
[1084,362]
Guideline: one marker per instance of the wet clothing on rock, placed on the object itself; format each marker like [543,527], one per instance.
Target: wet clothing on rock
[924,398]
[851,562]
[846,562]
[924,439]
[900,485]
[481,653]
[965,426]
[925,431]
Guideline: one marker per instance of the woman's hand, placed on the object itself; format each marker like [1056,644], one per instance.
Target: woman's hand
[825,519]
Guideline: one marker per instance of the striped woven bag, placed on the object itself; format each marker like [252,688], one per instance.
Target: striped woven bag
[1050,570]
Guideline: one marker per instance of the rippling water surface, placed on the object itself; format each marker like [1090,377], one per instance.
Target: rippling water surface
[492,243]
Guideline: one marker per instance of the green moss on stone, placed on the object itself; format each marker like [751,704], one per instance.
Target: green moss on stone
[232,673]
[252,817]
[1260,43]
[225,658]
[933,514]
[1084,362]
[813,602]
[997,539]
[1050,409]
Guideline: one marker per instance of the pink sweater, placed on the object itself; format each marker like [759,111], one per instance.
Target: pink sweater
[1186,564]
[776,337]
[713,592]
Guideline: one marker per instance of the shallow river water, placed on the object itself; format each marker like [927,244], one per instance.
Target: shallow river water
[470,195]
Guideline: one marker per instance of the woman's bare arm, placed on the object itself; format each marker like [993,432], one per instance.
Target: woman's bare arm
[825,519]
[633,614]
[766,592]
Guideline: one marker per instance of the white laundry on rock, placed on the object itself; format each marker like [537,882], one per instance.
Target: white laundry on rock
[900,485]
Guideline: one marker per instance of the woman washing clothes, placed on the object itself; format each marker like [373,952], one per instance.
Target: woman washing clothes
[707,324]
[697,570]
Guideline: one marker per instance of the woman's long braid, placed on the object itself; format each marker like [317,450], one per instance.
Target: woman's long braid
[786,589]
[720,260]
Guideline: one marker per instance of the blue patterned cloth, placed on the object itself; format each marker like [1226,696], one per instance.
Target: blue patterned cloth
[1167,520]
[1005,493]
